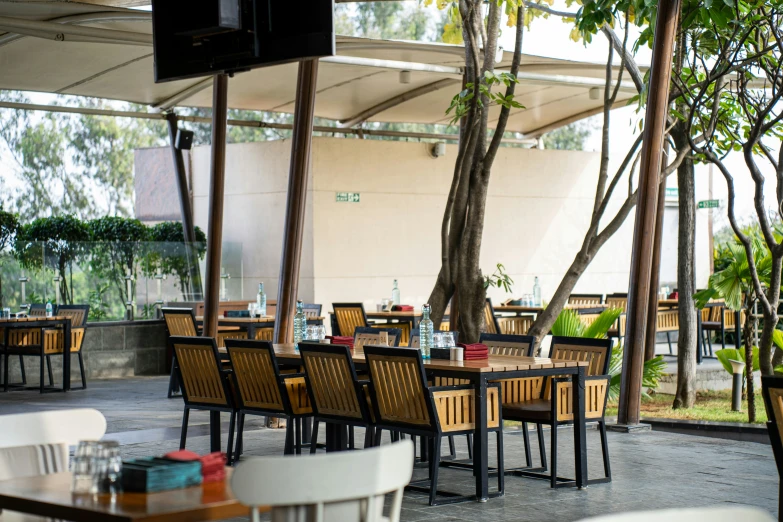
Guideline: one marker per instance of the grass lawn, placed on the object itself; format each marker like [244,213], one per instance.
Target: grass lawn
[710,406]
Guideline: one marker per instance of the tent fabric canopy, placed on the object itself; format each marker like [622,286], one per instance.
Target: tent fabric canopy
[363,83]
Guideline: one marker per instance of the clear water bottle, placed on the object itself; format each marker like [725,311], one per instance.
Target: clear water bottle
[300,323]
[261,300]
[395,294]
[426,341]
[49,310]
[536,293]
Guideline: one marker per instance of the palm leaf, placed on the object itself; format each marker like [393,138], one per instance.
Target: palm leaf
[603,323]
[568,324]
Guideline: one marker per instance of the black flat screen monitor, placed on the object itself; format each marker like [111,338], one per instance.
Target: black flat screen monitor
[206,37]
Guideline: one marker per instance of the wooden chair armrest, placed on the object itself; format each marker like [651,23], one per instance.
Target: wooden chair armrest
[596,392]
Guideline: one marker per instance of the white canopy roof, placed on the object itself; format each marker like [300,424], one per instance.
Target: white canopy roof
[105,52]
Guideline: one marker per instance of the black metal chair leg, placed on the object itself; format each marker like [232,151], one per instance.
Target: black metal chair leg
[183,436]
[501,471]
[541,446]
[314,438]
[240,436]
[669,340]
[81,369]
[21,369]
[229,446]
[553,452]
[173,381]
[5,372]
[368,438]
[41,376]
[452,449]
[434,466]
[605,449]
[351,438]
[297,435]
[49,369]
[288,448]
[470,446]
[378,433]
[526,439]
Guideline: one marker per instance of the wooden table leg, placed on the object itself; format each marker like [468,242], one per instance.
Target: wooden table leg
[580,432]
[480,451]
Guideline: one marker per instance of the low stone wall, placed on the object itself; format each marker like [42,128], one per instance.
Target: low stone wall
[111,350]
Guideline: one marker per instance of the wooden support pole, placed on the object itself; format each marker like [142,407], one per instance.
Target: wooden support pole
[646,210]
[655,276]
[216,190]
[301,143]
[186,210]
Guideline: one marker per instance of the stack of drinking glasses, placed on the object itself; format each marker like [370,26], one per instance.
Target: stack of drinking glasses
[315,333]
[444,340]
[97,468]
[5,313]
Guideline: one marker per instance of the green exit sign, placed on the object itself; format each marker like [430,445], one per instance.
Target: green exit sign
[348,197]
[709,203]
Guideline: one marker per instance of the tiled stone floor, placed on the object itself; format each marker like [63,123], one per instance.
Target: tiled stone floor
[650,470]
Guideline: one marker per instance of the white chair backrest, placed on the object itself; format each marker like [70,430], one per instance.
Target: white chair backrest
[33,461]
[718,514]
[351,482]
[47,427]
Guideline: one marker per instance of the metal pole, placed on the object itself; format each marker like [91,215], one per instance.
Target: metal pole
[646,209]
[186,209]
[297,196]
[216,189]
[215,227]
[655,277]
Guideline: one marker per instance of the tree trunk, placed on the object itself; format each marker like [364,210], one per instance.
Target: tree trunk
[749,387]
[770,318]
[686,237]
[547,318]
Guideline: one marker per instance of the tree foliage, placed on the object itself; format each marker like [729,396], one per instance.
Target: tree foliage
[170,254]
[54,243]
[117,244]
[570,137]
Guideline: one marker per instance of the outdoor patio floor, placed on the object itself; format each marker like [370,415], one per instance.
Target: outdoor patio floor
[651,470]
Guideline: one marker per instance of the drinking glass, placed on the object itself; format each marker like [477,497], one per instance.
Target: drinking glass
[448,340]
[85,463]
[311,333]
[6,313]
[321,331]
[437,340]
[109,468]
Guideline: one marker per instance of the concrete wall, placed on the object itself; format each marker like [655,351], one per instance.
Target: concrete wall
[537,211]
[110,350]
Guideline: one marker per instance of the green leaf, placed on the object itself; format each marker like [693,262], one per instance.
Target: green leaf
[603,323]
[568,324]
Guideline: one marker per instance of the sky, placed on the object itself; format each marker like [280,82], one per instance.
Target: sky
[550,37]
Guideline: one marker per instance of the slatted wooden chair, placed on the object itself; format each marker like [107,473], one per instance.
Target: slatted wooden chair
[404,403]
[312,311]
[369,335]
[261,389]
[265,334]
[554,406]
[181,322]
[515,325]
[772,391]
[403,326]
[617,301]
[205,383]
[585,300]
[348,317]
[490,321]
[336,393]
[668,321]
[715,317]
[29,338]
[53,338]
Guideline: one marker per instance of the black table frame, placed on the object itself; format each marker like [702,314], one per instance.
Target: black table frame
[32,325]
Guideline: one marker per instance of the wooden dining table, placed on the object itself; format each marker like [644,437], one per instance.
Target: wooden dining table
[31,323]
[50,496]
[251,324]
[479,373]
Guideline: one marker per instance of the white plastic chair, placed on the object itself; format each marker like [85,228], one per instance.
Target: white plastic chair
[711,514]
[48,427]
[344,486]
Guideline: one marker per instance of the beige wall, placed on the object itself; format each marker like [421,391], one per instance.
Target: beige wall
[537,212]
